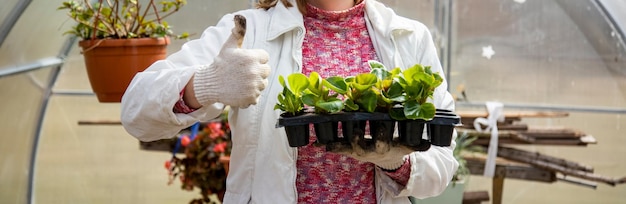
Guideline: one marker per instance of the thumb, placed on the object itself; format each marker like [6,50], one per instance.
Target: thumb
[236,37]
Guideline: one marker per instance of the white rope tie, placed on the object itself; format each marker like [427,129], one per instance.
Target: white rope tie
[495,115]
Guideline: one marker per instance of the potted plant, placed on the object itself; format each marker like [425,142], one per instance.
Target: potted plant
[418,83]
[319,96]
[389,95]
[120,38]
[206,158]
[363,96]
[290,102]
[388,89]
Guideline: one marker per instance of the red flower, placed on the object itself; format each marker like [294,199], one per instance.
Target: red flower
[214,126]
[215,130]
[168,164]
[219,148]
[185,140]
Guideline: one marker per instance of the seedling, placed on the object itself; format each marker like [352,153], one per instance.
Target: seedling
[419,84]
[388,90]
[290,99]
[319,96]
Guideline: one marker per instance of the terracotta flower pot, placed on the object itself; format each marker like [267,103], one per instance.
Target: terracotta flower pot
[112,63]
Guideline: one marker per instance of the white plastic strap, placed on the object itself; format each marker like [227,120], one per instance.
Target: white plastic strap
[495,114]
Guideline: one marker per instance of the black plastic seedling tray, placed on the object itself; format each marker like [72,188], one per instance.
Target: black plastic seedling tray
[381,126]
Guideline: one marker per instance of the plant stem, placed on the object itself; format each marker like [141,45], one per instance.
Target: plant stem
[95,22]
[156,11]
[158,19]
[114,12]
[136,23]
[110,28]
[143,17]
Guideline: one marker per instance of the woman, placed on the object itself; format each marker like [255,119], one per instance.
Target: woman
[331,37]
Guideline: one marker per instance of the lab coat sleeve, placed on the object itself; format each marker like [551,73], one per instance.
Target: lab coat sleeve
[147,105]
[431,170]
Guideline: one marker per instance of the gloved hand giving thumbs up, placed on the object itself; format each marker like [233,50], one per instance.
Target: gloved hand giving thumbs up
[237,76]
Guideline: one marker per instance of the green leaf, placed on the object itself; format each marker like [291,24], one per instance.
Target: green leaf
[297,83]
[397,114]
[278,107]
[315,83]
[384,100]
[399,99]
[396,71]
[309,99]
[350,105]
[412,110]
[290,100]
[361,87]
[337,84]
[367,79]
[375,64]
[438,80]
[381,73]
[403,82]
[428,70]
[332,106]
[281,79]
[395,90]
[368,101]
[427,111]
[106,11]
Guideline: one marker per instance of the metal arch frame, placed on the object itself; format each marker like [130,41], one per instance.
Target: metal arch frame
[56,63]
[443,22]
[621,31]
[12,18]
[48,92]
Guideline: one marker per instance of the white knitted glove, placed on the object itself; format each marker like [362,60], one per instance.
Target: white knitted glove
[386,156]
[237,76]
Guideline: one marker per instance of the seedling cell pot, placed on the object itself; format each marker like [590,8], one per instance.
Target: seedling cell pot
[441,128]
[326,132]
[297,135]
[353,128]
[423,146]
[410,132]
[440,135]
[382,130]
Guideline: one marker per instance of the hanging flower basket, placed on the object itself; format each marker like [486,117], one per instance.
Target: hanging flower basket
[119,39]
[112,63]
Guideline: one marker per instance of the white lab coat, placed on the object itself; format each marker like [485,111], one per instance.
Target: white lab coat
[262,164]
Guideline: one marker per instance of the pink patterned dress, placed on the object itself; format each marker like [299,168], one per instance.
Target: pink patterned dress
[337,44]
